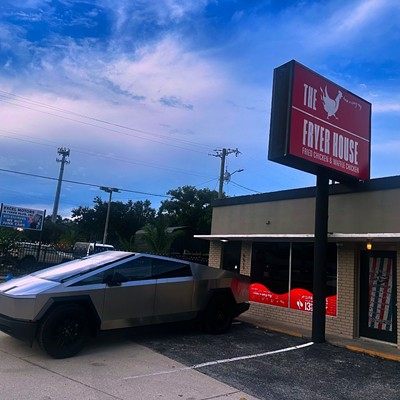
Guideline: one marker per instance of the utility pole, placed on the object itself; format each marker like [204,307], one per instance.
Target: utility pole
[110,191]
[222,154]
[64,153]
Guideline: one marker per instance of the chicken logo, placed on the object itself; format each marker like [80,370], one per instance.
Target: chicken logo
[300,304]
[331,105]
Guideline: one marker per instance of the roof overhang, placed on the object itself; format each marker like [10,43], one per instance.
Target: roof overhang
[303,237]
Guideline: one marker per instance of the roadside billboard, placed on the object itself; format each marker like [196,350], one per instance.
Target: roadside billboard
[22,218]
[317,124]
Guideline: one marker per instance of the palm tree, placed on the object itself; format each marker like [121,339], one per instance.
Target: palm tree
[158,238]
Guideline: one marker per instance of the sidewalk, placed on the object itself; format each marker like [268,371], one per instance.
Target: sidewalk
[371,347]
[110,368]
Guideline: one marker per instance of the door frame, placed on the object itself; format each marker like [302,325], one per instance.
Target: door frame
[365,330]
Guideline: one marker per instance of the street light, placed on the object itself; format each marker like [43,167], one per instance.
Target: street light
[227,176]
[108,190]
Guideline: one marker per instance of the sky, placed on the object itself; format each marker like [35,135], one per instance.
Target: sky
[145,94]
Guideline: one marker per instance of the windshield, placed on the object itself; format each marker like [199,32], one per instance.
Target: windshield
[67,270]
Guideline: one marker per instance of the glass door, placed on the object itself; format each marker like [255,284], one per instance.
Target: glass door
[378,308]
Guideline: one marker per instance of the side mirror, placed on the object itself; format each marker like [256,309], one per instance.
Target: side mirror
[115,279]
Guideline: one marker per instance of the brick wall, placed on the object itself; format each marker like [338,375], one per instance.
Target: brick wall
[344,323]
[214,257]
[245,258]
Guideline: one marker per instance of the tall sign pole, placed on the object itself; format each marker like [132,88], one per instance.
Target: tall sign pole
[64,153]
[320,248]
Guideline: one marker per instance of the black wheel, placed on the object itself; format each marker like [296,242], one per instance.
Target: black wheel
[218,314]
[64,330]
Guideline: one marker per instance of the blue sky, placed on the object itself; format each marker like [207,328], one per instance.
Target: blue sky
[143,91]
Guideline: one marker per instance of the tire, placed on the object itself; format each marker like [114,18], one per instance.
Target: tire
[218,315]
[64,330]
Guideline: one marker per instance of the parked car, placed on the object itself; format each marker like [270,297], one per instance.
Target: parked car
[62,305]
[44,253]
[83,249]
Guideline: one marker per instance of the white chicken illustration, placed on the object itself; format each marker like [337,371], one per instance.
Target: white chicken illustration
[331,105]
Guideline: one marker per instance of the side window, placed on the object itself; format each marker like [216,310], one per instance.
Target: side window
[170,269]
[134,270]
[92,280]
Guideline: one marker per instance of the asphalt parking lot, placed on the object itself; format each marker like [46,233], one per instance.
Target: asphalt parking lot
[179,362]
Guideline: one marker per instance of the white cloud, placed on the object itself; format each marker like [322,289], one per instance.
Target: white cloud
[359,16]
[166,69]
[342,26]
[386,107]
[160,13]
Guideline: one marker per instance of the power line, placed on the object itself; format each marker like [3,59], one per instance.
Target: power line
[79,183]
[244,187]
[27,103]
[97,154]
[105,122]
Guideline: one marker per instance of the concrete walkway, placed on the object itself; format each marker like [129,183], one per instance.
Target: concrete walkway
[105,370]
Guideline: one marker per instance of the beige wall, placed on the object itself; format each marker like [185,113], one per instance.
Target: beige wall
[365,212]
[296,216]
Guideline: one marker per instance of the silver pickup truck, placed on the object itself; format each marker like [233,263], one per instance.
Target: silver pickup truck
[62,305]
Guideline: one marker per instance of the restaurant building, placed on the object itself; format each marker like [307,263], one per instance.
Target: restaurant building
[270,237]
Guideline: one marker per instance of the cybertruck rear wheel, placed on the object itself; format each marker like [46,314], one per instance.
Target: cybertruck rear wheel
[218,315]
[64,330]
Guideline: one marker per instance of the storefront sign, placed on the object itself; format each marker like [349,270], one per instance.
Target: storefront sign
[23,218]
[317,124]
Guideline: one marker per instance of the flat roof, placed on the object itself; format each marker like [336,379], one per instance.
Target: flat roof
[303,237]
[377,184]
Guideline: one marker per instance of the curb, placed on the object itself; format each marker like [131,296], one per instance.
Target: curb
[373,353]
[335,342]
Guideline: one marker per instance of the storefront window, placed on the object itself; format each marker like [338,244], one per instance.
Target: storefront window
[231,256]
[274,263]
[270,265]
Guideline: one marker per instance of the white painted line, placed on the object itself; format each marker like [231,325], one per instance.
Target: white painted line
[227,360]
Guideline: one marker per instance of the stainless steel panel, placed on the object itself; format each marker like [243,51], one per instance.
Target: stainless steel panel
[128,304]
[173,296]
[17,307]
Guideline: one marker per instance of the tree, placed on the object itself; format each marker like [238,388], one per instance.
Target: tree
[8,240]
[125,219]
[191,207]
[157,237]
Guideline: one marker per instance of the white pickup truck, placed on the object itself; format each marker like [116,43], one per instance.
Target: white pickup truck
[83,249]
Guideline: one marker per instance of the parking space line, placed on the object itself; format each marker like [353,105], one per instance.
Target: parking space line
[223,361]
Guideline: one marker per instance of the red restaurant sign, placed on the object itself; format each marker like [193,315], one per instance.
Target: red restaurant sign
[316,123]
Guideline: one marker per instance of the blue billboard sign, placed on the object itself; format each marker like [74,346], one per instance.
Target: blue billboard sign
[22,218]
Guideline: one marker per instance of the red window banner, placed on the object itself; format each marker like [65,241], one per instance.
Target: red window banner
[300,299]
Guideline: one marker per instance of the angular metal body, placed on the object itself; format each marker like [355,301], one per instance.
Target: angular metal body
[120,289]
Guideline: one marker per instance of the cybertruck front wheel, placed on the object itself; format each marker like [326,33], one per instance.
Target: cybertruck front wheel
[64,330]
